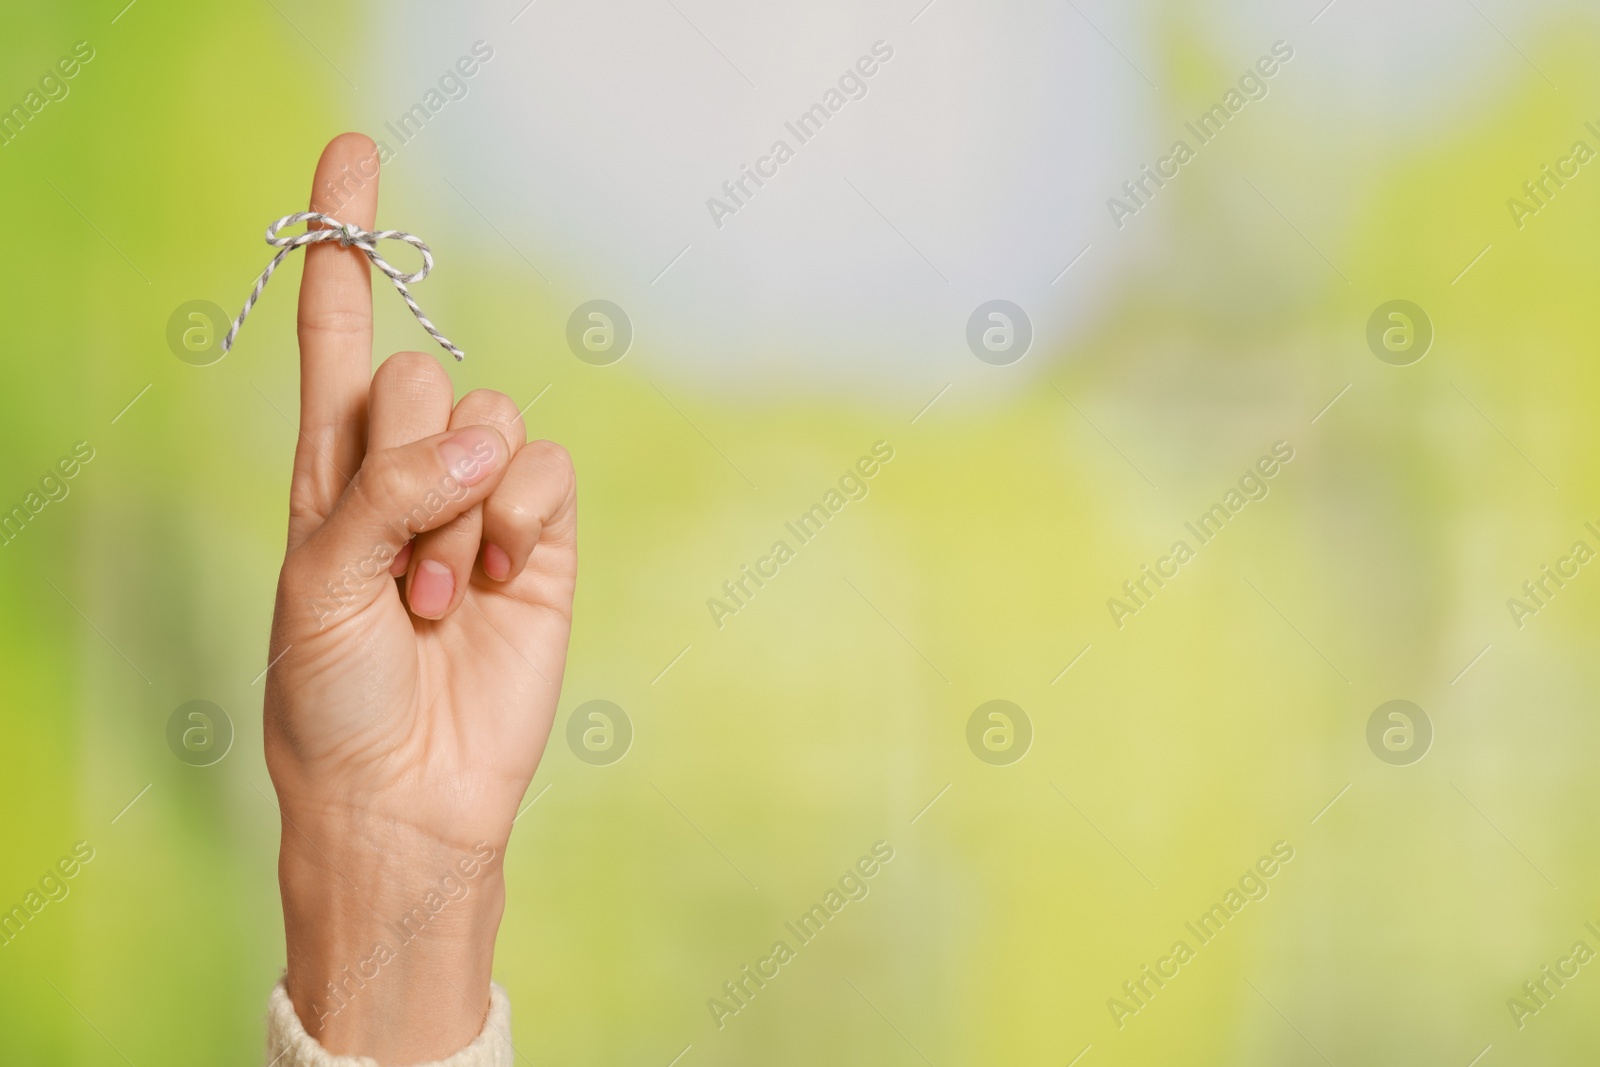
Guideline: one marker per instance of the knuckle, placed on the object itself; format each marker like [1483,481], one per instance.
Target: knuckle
[297,576]
[303,490]
[335,322]
[555,461]
[552,457]
[382,481]
[544,489]
[465,528]
[490,407]
[487,402]
[414,375]
[516,513]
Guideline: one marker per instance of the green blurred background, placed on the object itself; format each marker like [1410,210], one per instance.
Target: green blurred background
[828,714]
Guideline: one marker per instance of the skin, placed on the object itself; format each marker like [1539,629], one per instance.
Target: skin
[406,714]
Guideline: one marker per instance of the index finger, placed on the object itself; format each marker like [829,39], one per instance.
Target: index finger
[335,330]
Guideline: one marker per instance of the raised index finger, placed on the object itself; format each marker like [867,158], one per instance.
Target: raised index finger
[335,329]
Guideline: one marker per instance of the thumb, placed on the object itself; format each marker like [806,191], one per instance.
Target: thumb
[397,494]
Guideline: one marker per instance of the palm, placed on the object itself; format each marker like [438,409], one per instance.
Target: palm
[438,723]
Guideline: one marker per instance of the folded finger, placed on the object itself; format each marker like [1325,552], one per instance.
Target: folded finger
[533,503]
[442,560]
[409,400]
[398,493]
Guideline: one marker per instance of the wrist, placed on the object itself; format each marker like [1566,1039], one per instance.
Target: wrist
[389,935]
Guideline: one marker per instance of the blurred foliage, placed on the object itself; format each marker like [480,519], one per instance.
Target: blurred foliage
[829,712]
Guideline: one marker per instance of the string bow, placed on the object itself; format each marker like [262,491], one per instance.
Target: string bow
[348,235]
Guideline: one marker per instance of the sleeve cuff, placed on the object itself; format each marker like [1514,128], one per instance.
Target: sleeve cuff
[288,1044]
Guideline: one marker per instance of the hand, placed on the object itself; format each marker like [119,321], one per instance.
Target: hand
[401,741]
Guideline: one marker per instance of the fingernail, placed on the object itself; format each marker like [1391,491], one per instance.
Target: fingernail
[472,455]
[401,560]
[431,588]
[496,564]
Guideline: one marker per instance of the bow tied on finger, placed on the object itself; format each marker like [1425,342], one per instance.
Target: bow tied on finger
[348,235]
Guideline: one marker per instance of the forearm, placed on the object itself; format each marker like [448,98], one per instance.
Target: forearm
[390,937]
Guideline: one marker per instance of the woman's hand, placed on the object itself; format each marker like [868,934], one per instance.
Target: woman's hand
[414,676]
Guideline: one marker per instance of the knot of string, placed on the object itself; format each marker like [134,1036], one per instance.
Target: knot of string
[348,235]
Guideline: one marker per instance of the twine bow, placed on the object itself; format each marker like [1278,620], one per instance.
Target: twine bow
[348,235]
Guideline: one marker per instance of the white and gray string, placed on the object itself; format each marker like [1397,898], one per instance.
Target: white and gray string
[348,236]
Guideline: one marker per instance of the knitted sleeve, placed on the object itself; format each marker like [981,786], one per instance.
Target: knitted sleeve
[288,1044]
